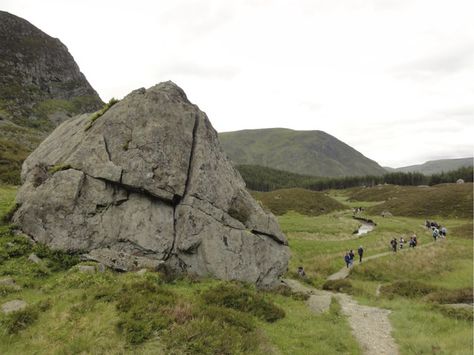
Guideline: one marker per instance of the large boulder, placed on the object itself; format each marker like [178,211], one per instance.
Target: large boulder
[147,184]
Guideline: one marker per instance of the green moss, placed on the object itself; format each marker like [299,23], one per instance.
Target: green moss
[59,167]
[99,113]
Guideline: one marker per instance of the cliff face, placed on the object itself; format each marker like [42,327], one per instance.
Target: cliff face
[40,87]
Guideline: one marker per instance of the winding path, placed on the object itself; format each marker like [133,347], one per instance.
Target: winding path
[345,271]
[370,325]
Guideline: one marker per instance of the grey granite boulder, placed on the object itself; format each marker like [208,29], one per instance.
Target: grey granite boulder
[147,184]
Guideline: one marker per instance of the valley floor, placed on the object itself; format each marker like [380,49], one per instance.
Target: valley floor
[401,296]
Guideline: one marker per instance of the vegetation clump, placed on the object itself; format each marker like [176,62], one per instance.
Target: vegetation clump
[462,295]
[58,167]
[310,203]
[407,288]
[141,308]
[15,322]
[243,299]
[99,113]
[342,285]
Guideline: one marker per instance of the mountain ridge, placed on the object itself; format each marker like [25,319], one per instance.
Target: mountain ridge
[314,152]
[434,166]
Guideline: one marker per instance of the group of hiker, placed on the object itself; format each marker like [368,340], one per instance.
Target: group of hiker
[413,242]
[438,231]
[349,257]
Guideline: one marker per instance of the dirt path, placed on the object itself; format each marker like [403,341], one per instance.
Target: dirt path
[318,301]
[370,325]
[345,271]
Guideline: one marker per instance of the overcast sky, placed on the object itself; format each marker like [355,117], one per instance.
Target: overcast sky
[392,78]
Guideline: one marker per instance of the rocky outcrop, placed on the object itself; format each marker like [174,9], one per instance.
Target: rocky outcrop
[40,83]
[148,184]
[40,87]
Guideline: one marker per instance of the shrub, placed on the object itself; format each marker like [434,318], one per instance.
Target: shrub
[460,313]
[227,316]
[142,308]
[342,285]
[409,288]
[288,292]
[19,320]
[9,214]
[57,260]
[462,295]
[203,336]
[243,299]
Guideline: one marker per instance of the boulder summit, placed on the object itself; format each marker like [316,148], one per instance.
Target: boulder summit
[147,184]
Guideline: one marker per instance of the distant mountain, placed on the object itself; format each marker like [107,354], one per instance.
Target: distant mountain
[435,166]
[40,86]
[303,152]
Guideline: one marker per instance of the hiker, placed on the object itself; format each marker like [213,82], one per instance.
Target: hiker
[411,243]
[444,231]
[393,242]
[301,272]
[402,242]
[347,259]
[351,256]
[428,224]
[360,251]
[435,233]
[415,241]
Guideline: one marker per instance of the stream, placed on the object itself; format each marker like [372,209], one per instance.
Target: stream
[365,228]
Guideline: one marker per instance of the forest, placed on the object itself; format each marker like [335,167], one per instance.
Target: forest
[259,178]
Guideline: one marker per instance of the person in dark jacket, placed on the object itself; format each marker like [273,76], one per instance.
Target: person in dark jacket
[360,251]
[351,256]
[393,243]
[347,259]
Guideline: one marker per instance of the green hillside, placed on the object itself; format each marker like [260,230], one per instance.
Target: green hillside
[303,152]
[445,200]
[303,201]
[436,166]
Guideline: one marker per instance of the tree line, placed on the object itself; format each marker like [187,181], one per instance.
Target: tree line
[259,178]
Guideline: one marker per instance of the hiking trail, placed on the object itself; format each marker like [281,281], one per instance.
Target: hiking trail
[370,325]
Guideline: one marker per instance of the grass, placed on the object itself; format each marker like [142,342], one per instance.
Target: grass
[302,333]
[129,313]
[306,202]
[444,200]
[101,112]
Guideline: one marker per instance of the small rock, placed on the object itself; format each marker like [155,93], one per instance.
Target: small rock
[87,269]
[8,281]
[101,268]
[34,258]
[13,306]
[142,272]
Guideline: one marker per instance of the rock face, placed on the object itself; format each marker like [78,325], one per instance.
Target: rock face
[148,184]
[40,83]
[40,87]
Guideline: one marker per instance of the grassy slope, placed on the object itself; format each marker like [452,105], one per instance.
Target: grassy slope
[420,327]
[303,152]
[444,200]
[303,201]
[82,315]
